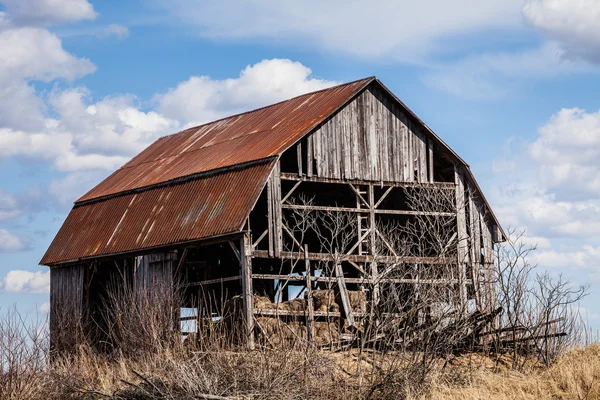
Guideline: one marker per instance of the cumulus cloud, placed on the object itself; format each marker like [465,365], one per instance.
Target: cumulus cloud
[401,30]
[10,243]
[201,99]
[552,190]
[568,151]
[48,12]
[21,281]
[573,24]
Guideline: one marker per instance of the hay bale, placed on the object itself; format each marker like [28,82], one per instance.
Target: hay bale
[358,300]
[324,300]
[293,305]
[263,302]
[326,332]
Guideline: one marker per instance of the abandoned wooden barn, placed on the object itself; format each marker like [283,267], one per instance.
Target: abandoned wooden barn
[324,191]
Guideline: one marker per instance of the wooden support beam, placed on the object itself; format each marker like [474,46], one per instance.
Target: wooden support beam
[327,279]
[366,210]
[383,196]
[261,237]
[291,192]
[213,281]
[247,293]
[235,251]
[293,255]
[310,317]
[286,176]
[373,227]
[339,273]
[463,238]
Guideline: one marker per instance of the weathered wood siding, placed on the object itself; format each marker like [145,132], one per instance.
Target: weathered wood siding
[66,306]
[371,139]
[154,269]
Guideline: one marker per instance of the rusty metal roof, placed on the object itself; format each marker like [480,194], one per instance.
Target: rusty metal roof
[210,205]
[245,137]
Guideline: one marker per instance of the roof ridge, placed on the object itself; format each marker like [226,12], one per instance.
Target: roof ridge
[369,78]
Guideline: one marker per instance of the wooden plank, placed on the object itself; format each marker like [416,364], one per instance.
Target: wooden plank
[430,160]
[344,294]
[309,156]
[213,281]
[437,185]
[462,246]
[299,154]
[235,251]
[277,216]
[325,279]
[310,317]
[270,216]
[247,291]
[358,258]
[373,228]
[366,210]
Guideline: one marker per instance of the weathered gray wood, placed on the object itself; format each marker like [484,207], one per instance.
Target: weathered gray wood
[299,154]
[288,255]
[213,281]
[373,228]
[66,307]
[371,139]
[247,291]
[344,294]
[430,160]
[366,210]
[309,156]
[463,239]
[325,279]
[310,317]
[437,185]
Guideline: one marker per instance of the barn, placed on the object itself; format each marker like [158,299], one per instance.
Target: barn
[343,189]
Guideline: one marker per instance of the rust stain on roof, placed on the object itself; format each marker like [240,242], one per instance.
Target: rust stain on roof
[241,138]
[207,206]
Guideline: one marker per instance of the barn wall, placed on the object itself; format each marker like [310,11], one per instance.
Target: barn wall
[66,306]
[154,269]
[372,139]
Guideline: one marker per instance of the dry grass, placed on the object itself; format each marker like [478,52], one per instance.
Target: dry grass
[575,375]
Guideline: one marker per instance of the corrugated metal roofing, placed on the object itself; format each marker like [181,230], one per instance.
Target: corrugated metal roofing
[208,206]
[250,136]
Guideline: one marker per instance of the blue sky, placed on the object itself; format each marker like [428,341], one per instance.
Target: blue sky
[511,85]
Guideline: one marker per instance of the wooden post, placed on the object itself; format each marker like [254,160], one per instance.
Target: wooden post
[339,273]
[374,271]
[310,315]
[461,230]
[246,274]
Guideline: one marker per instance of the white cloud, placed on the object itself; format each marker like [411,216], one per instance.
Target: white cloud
[573,23]
[492,75]
[48,12]
[201,99]
[11,243]
[552,190]
[402,30]
[8,206]
[568,152]
[32,54]
[44,307]
[116,30]
[20,281]
[586,257]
